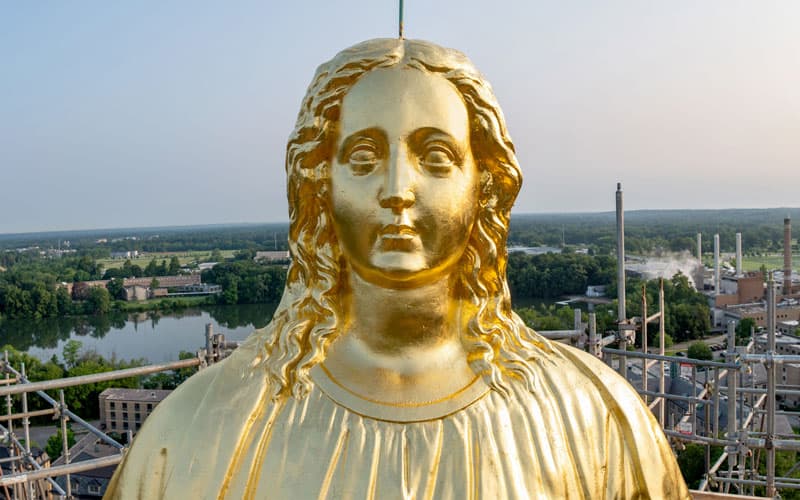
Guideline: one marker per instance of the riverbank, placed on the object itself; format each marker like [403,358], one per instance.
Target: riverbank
[162,304]
[157,335]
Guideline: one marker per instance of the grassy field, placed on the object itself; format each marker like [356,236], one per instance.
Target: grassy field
[183,257]
[773,261]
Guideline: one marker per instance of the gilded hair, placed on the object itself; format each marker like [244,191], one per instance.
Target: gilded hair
[307,319]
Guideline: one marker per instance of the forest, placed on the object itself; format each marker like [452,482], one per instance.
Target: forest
[645,231]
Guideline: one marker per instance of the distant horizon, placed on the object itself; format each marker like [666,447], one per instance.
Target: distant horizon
[8,235]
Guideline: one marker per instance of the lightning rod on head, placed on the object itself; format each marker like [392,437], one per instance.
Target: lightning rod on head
[400,21]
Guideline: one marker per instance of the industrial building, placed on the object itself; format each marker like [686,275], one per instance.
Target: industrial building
[735,295]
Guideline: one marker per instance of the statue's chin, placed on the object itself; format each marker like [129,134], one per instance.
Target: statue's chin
[398,269]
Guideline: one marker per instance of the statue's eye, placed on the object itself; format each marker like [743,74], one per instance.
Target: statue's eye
[363,158]
[438,159]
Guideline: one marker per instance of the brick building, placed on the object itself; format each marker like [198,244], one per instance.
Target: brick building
[745,289]
[164,281]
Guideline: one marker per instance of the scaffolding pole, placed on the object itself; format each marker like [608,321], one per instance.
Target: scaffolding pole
[35,413]
[662,408]
[644,339]
[26,428]
[14,479]
[770,365]
[61,470]
[71,415]
[49,385]
[730,357]
[62,415]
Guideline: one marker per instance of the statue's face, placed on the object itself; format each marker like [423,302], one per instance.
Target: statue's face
[404,181]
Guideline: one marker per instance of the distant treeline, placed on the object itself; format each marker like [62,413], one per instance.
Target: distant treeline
[553,275]
[29,282]
[244,281]
[653,230]
[174,239]
[33,290]
[645,231]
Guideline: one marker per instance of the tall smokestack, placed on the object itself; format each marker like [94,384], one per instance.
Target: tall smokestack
[716,264]
[787,256]
[738,254]
[700,247]
[622,316]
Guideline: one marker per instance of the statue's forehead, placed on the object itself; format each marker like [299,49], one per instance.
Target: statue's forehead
[400,97]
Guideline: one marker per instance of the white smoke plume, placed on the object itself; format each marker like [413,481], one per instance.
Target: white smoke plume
[667,266]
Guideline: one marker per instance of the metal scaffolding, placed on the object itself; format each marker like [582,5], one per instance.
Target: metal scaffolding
[30,479]
[724,389]
[725,407]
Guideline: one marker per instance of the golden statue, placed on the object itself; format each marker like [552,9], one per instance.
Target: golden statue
[394,366]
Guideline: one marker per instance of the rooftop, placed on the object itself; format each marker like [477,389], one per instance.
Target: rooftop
[134,394]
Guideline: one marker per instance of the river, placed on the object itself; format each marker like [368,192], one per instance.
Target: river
[155,337]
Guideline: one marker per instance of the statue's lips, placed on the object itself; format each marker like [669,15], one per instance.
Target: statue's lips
[398,231]
[398,237]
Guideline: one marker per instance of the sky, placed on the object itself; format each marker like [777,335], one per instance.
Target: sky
[128,114]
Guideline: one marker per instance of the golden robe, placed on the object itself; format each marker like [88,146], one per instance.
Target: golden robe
[582,433]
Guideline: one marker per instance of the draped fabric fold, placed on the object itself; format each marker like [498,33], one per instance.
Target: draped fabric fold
[584,433]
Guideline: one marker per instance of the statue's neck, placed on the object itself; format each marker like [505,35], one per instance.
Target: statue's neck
[400,345]
[391,321]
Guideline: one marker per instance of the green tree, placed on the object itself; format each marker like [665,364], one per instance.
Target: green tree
[245,254]
[99,301]
[216,256]
[657,342]
[743,329]
[35,370]
[174,266]
[63,302]
[548,317]
[83,398]
[230,293]
[154,284]
[130,270]
[88,265]
[55,443]
[71,352]
[116,289]
[692,462]
[152,268]
[170,380]
[700,350]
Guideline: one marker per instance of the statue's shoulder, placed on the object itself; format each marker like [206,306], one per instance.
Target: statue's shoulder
[207,412]
[599,375]
[592,392]
[211,392]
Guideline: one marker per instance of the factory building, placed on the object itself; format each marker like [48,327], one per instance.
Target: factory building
[744,289]
[787,313]
[735,294]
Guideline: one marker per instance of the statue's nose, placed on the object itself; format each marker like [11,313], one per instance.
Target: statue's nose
[397,191]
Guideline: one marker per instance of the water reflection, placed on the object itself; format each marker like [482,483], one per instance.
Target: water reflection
[156,336]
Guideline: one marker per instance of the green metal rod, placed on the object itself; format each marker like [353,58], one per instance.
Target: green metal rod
[400,21]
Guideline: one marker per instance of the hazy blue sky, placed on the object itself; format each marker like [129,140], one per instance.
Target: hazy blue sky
[146,113]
